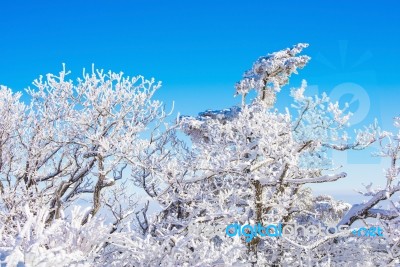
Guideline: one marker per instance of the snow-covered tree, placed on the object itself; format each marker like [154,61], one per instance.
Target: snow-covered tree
[78,144]
[105,138]
[251,163]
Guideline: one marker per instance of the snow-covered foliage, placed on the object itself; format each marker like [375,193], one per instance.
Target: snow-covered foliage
[73,144]
[63,242]
[271,72]
[103,139]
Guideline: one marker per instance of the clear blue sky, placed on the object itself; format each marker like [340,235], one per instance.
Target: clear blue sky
[199,49]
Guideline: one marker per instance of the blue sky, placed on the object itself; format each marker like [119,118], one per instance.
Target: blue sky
[199,49]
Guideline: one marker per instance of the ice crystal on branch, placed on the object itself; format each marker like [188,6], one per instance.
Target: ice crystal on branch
[271,72]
